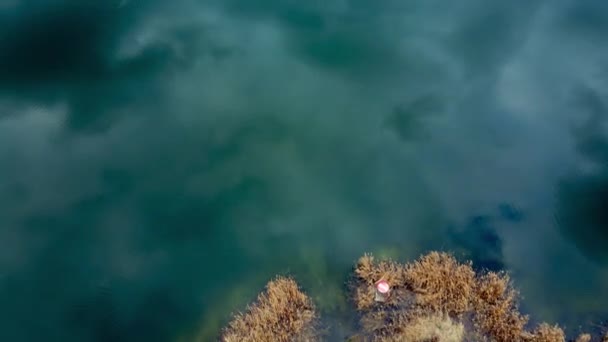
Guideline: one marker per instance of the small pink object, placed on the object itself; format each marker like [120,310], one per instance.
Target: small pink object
[383,287]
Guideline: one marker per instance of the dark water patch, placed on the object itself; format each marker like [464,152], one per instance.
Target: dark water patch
[158,318]
[117,181]
[585,19]
[582,199]
[409,120]
[97,318]
[479,242]
[50,52]
[101,317]
[63,41]
[591,139]
[582,214]
[491,34]
[510,213]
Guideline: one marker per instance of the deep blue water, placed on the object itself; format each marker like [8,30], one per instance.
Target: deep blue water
[160,161]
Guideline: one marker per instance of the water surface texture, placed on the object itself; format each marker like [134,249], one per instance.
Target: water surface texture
[161,160]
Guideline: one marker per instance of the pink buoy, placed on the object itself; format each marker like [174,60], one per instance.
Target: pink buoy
[382,291]
[383,287]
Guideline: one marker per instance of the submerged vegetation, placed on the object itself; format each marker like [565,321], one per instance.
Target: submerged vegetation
[433,299]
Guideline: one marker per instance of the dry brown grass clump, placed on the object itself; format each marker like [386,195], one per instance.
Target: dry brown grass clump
[434,299]
[384,324]
[437,288]
[423,296]
[495,309]
[440,283]
[437,281]
[282,313]
[393,326]
[367,273]
[428,328]
[547,333]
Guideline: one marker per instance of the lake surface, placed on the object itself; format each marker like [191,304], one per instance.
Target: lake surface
[160,161]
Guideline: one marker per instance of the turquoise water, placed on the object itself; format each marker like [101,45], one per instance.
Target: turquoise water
[160,161]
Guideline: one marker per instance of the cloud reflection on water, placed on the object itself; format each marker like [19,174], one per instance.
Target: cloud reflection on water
[158,151]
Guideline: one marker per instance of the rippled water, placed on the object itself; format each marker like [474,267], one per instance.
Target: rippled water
[160,161]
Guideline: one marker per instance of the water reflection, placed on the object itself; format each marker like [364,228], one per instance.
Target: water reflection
[582,211]
[173,158]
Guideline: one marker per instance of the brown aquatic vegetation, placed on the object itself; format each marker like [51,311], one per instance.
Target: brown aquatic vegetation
[495,308]
[389,326]
[433,299]
[547,333]
[437,288]
[423,296]
[282,313]
[436,327]
[367,273]
[440,283]
[428,328]
[584,338]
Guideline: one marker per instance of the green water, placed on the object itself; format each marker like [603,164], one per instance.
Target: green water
[160,161]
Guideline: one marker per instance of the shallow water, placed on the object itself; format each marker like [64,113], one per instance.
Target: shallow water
[160,162]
